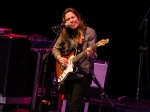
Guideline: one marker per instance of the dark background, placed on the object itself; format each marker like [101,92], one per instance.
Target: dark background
[118,21]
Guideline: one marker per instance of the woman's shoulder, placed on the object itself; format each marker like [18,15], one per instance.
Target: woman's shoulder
[90,30]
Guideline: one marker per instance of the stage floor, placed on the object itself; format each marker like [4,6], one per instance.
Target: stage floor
[108,105]
[114,105]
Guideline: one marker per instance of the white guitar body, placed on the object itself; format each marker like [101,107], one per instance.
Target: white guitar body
[68,69]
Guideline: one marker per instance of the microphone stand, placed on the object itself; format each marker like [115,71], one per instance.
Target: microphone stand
[103,95]
[45,58]
[43,81]
[142,50]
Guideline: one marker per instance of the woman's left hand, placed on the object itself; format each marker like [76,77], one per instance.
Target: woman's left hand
[90,52]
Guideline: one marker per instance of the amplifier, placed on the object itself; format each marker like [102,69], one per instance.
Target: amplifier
[14,60]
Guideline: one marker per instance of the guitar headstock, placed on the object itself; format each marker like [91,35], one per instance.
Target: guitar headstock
[103,42]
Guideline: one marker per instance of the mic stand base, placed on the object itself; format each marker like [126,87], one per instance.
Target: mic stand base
[103,94]
[102,97]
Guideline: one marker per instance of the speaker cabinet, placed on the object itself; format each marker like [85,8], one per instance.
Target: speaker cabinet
[14,58]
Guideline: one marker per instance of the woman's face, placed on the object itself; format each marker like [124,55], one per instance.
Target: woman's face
[71,20]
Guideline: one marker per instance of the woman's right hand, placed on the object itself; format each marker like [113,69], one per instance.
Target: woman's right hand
[63,61]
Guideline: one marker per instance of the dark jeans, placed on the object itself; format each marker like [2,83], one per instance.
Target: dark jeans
[75,92]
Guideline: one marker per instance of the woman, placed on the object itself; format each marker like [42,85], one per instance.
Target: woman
[77,35]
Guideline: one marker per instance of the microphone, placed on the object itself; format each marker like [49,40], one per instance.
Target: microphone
[63,25]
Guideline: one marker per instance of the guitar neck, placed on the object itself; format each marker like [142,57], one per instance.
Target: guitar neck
[83,53]
[99,43]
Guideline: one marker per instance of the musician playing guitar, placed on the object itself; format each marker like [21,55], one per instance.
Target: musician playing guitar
[75,66]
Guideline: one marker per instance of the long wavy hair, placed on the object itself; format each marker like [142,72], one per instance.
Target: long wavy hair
[76,33]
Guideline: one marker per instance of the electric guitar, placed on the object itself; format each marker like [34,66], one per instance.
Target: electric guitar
[62,72]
